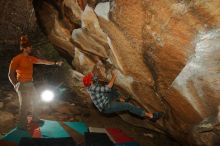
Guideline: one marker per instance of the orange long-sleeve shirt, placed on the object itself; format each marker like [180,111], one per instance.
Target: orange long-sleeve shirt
[23,65]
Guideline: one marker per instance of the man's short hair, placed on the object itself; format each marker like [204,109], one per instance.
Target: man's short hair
[24,42]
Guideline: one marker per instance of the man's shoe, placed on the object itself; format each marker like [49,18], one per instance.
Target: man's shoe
[156,116]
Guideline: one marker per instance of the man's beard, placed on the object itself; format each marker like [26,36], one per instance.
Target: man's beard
[30,52]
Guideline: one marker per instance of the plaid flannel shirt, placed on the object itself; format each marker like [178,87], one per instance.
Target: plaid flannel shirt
[97,94]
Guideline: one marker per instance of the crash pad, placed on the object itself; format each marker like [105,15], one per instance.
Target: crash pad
[78,126]
[15,135]
[117,136]
[49,129]
[52,129]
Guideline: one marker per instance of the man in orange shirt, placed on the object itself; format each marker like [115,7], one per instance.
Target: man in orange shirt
[21,76]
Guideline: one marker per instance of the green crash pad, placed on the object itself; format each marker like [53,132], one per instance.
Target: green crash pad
[49,129]
[78,126]
[15,135]
[52,129]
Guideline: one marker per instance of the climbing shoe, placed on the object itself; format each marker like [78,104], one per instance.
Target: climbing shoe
[156,116]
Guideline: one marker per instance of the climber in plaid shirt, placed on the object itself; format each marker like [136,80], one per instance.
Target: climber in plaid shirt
[106,98]
[98,96]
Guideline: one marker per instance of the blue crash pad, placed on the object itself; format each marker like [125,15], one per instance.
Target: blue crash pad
[15,135]
[78,126]
[52,129]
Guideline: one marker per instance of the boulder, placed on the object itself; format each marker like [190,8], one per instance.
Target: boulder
[6,121]
[165,52]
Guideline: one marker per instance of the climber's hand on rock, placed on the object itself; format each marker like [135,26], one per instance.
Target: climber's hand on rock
[59,63]
[114,73]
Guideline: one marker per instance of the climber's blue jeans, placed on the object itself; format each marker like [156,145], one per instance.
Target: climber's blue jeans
[113,94]
[116,106]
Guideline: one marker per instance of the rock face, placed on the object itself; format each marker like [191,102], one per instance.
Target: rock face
[6,120]
[16,18]
[207,132]
[165,52]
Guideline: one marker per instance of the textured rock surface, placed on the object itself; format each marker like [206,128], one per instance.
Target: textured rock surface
[156,46]
[207,132]
[165,52]
[198,82]
[6,120]
[16,18]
